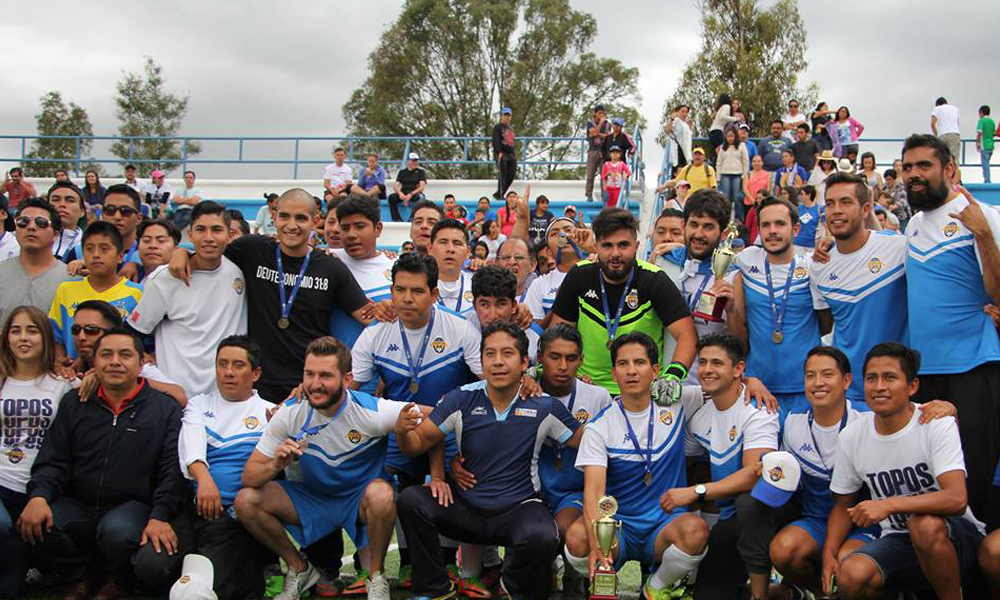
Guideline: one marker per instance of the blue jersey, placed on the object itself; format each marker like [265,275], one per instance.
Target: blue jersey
[809,219]
[606,443]
[779,366]
[866,294]
[501,449]
[944,270]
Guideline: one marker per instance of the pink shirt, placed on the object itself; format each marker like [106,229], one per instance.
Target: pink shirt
[759,180]
[614,174]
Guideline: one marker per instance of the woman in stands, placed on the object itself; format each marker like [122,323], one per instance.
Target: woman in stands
[846,131]
[820,118]
[872,177]
[29,398]
[93,191]
[723,116]
[731,164]
[493,238]
[507,215]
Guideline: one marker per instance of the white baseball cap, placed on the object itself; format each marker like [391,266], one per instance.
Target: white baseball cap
[413,156]
[778,480]
[197,578]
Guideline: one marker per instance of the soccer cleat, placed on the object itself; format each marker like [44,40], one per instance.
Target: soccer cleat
[473,587]
[405,577]
[296,584]
[378,587]
[452,593]
[357,587]
[326,588]
[671,593]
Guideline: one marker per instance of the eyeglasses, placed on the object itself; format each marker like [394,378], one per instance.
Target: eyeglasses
[40,222]
[126,211]
[88,329]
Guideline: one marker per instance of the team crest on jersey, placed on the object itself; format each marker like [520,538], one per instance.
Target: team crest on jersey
[468,296]
[776,474]
[122,312]
[732,434]
[666,417]
[875,265]
[632,299]
[800,272]
[950,229]
[479,411]
[439,345]
[251,422]
[354,436]
[239,285]
[15,455]
[581,416]
[184,579]
[388,274]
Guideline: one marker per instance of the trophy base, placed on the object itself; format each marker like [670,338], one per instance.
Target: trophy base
[604,585]
[710,307]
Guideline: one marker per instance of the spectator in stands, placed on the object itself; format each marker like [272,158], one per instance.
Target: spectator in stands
[331,226]
[505,152]
[723,116]
[743,132]
[425,215]
[478,220]
[32,277]
[819,119]
[238,226]
[67,199]
[790,174]
[845,132]
[826,165]
[407,246]
[572,214]
[122,209]
[757,180]
[131,181]
[480,251]
[895,187]
[112,510]
[678,131]
[770,148]
[492,238]
[337,177]
[409,186]
[62,175]
[986,130]
[157,241]
[945,125]
[699,174]
[540,219]
[507,214]
[17,187]
[450,207]
[805,149]
[733,164]
[519,258]
[185,201]
[619,138]
[886,219]
[614,175]
[157,193]
[791,121]
[738,112]
[872,177]
[598,129]
[265,216]
[371,181]
[93,191]
[8,243]
[677,197]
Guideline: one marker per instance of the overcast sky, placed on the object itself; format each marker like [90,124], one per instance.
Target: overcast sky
[260,67]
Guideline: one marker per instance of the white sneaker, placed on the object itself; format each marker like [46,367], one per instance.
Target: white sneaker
[378,586]
[296,584]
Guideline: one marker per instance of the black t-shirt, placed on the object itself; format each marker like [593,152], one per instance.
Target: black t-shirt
[503,141]
[805,153]
[536,230]
[327,283]
[409,179]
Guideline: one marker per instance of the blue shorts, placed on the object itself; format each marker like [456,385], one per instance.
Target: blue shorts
[320,515]
[816,528]
[558,503]
[638,542]
[895,557]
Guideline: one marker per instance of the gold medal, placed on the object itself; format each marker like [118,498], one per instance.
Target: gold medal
[609,344]
[283,323]
[777,337]
[647,478]
[414,387]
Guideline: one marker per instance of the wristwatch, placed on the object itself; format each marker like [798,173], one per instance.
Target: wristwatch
[701,490]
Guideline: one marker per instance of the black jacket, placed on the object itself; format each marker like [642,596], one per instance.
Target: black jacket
[500,142]
[101,460]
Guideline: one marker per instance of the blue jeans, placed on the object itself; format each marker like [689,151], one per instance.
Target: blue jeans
[731,186]
[14,552]
[985,156]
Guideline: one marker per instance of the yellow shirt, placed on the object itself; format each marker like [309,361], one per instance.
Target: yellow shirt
[124,296]
[699,177]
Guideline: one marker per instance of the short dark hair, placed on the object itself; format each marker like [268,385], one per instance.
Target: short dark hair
[560,331]
[941,100]
[520,338]
[843,363]
[107,310]
[191,172]
[449,224]
[809,190]
[17,171]
[891,173]
[494,281]
[710,203]
[359,205]
[671,212]
[612,220]
[121,188]
[106,229]
[43,205]
[728,342]
[446,196]
[542,198]
[130,167]
[426,204]
[339,149]
[241,221]
[860,186]
[985,109]
[778,121]
[413,262]
[121,330]
[793,212]
[636,337]
[208,207]
[789,152]
[69,185]
[331,346]
[171,229]
[926,140]
[803,127]
[241,341]
[909,359]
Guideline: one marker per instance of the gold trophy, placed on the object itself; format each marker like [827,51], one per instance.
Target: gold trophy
[709,306]
[604,585]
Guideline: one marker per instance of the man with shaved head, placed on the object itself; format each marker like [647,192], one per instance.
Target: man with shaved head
[290,290]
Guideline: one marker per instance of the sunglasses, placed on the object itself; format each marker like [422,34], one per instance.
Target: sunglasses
[40,222]
[126,211]
[88,329]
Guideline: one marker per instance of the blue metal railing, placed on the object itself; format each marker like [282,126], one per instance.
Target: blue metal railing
[658,200]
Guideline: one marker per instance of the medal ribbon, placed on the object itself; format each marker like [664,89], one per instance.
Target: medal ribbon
[843,423]
[461,290]
[612,327]
[569,407]
[306,431]
[648,459]
[415,368]
[779,318]
[286,306]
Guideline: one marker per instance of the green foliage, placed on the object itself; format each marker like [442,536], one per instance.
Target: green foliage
[754,53]
[56,118]
[446,67]
[146,108]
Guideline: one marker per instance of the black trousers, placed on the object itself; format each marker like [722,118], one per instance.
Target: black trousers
[326,554]
[527,530]
[740,545]
[84,544]
[507,168]
[237,557]
[976,395]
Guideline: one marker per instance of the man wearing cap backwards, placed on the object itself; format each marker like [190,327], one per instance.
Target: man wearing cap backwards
[917,479]
[409,186]
[504,151]
[631,450]
[568,244]
[736,436]
[598,129]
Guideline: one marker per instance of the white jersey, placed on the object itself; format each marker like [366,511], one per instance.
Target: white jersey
[338,176]
[696,278]
[9,248]
[27,409]
[342,453]
[542,293]
[904,463]
[190,321]
[457,295]
[374,274]
[222,435]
